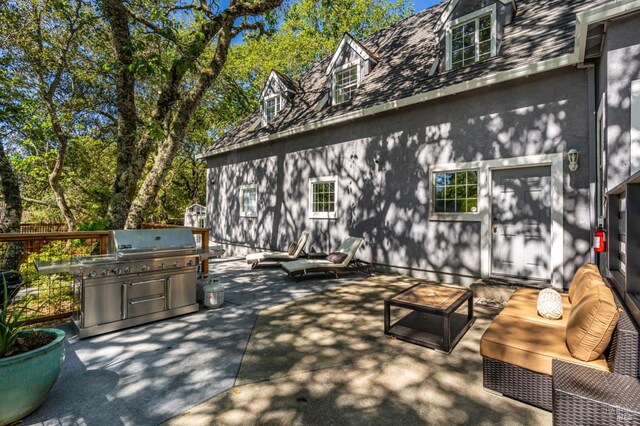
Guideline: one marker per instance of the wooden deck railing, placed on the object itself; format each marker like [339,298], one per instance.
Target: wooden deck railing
[42,227]
[52,296]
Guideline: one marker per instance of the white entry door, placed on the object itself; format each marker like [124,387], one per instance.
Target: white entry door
[521,223]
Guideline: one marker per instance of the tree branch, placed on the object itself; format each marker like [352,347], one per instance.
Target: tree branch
[245,26]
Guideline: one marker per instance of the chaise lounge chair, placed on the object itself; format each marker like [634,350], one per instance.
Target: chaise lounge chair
[349,247]
[278,256]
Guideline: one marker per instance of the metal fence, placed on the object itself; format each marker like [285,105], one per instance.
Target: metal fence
[48,296]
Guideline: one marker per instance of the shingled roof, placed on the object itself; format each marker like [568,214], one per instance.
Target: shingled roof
[406,51]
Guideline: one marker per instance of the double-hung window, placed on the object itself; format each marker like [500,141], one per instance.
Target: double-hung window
[323,195]
[471,39]
[345,81]
[272,106]
[249,201]
[455,192]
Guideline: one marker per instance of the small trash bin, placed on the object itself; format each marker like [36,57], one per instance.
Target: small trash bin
[213,293]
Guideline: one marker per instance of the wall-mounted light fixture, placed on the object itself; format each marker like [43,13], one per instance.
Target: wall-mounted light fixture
[573,159]
[378,158]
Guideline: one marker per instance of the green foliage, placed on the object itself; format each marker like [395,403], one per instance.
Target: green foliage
[51,294]
[10,319]
[302,32]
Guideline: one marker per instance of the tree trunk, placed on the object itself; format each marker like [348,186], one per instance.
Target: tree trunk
[56,173]
[58,191]
[128,156]
[170,146]
[10,220]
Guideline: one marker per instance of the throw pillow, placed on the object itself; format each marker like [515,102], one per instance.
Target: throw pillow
[336,257]
[550,304]
[591,323]
[292,248]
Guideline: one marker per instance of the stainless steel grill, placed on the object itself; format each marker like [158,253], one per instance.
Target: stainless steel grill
[146,276]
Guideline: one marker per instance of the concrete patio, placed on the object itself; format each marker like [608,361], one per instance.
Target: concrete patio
[278,352]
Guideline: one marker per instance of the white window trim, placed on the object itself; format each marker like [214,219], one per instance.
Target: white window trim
[336,70]
[324,215]
[243,188]
[470,17]
[444,216]
[485,168]
[264,107]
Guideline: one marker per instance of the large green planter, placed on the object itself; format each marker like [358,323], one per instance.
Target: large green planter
[26,379]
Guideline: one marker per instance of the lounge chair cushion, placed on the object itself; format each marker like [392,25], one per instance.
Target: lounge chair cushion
[529,295]
[528,310]
[532,345]
[304,265]
[292,248]
[349,246]
[580,284]
[337,257]
[272,256]
[591,322]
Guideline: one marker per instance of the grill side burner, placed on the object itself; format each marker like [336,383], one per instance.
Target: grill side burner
[147,275]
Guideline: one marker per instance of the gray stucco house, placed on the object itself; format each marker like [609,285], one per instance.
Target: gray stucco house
[464,142]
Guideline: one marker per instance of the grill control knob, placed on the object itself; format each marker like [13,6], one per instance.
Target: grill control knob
[105,272]
[92,274]
[161,266]
[145,268]
[127,269]
[176,264]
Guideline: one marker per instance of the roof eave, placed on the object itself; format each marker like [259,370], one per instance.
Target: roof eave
[488,80]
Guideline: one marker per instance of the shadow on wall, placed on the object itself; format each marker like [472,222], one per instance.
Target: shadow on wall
[623,66]
[383,170]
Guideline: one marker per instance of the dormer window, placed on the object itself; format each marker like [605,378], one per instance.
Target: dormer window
[278,90]
[471,38]
[272,106]
[345,81]
[350,64]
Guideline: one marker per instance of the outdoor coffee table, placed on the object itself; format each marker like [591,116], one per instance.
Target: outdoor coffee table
[433,321]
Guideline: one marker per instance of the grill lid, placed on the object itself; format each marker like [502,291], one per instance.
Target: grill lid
[128,243]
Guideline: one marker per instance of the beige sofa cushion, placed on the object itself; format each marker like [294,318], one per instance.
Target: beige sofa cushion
[532,345]
[591,321]
[528,310]
[578,286]
[530,295]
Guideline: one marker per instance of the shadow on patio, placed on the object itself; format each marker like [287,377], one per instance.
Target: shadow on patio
[145,375]
[324,359]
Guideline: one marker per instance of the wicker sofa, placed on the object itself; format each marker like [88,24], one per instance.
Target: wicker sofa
[526,357]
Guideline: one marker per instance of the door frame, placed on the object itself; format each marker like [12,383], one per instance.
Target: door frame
[556,163]
[485,179]
[491,205]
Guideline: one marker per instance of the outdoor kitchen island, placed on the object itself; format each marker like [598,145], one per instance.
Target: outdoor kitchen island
[147,275]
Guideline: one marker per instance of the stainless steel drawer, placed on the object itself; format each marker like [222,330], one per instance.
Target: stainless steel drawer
[144,288]
[145,305]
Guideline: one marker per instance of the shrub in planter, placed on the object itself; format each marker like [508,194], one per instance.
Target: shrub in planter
[30,361]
